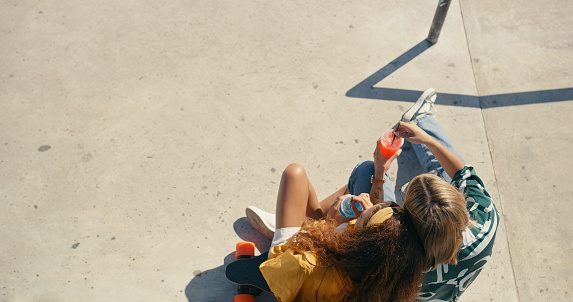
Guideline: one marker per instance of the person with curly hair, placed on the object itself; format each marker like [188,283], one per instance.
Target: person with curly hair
[377,257]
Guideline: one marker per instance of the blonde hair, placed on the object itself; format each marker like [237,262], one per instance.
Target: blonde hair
[438,212]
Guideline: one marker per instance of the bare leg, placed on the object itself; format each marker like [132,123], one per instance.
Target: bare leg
[296,198]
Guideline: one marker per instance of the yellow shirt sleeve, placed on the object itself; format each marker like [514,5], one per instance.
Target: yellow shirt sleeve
[285,274]
[301,276]
[293,276]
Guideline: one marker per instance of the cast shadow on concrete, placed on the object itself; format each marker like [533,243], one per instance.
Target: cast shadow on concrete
[246,232]
[212,285]
[366,89]
[522,98]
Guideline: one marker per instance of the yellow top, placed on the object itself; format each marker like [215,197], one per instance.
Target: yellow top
[294,275]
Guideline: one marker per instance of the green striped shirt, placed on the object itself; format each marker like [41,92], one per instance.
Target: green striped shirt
[448,282]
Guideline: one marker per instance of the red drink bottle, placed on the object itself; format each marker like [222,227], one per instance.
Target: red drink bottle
[387,147]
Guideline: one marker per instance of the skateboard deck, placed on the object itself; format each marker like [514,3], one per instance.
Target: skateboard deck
[245,272]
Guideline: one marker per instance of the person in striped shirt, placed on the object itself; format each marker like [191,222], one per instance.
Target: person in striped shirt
[458,229]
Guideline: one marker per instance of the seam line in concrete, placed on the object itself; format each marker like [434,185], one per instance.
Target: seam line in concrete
[489,150]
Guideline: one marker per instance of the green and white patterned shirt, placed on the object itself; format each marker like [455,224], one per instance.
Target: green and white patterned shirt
[448,282]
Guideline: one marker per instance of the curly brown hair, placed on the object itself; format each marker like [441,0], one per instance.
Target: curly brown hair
[385,261]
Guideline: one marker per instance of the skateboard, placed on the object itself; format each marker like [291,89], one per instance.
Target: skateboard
[245,272]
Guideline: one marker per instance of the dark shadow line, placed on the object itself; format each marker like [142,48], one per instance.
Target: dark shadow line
[484,102]
[404,95]
[530,97]
[366,89]
[363,89]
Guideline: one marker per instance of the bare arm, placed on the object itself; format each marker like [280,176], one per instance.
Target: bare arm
[327,203]
[377,192]
[381,165]
[449,161]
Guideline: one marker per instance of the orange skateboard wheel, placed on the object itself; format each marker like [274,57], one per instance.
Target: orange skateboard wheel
[244,298]
[244,248]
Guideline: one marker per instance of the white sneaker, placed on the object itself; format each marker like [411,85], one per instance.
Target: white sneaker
[263,222]
[424,105]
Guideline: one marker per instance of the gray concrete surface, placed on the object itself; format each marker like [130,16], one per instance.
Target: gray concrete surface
[135,133]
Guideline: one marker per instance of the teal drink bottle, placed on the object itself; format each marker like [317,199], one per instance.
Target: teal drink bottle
[346,208]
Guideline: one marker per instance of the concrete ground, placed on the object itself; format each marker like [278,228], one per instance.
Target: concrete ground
[134,133]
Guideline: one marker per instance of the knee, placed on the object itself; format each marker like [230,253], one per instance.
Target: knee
[294,171]
[364,168]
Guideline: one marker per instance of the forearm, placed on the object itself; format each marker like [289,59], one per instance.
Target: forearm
[377,192]
[447,159]
[328,201]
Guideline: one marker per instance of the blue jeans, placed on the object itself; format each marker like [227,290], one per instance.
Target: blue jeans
[360,178]
[359,181]
[429,162]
